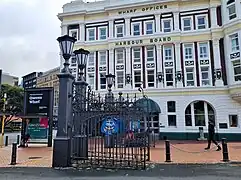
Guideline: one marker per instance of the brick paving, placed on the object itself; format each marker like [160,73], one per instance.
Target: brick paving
[181,152]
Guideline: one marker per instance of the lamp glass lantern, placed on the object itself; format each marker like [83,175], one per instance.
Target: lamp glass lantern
[81,57]
[110,80]
[66,44]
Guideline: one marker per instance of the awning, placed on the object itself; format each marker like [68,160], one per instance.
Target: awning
[148,106]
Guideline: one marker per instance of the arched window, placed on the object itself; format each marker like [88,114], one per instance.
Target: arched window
[198,113]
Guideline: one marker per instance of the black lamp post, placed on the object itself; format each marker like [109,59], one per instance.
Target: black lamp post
[81,57]
[66,44]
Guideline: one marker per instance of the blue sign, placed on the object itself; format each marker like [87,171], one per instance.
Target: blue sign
[110,126]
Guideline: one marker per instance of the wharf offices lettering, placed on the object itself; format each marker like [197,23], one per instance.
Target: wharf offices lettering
[149,41]
[144,9]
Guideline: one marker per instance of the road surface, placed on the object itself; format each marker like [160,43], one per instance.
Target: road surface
[165,172]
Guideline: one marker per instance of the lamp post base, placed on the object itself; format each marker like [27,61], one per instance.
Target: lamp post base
[61,152]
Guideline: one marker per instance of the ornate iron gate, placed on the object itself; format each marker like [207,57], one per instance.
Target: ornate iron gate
[108,132]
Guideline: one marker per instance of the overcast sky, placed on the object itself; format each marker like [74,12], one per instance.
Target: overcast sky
[28,32]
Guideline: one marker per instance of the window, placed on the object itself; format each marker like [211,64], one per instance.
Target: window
[137,55]
[136,29]
[237,70]
[74,33]
[119,30]
[73,60]
[188,51]
[167,27]
[171,106]
[190,76]
[151,78]
[91,60]
[91,80]
[102,58]
[102,33]
[169,77]
[120,56]
[234,42]
[172,120]
[201,22]
[91,34]
[200,113]
[168,53]
[233,120]
[203,50]
[120,79]
[102,81]
[149,27]
[187,24]
[232,12]
[137,78]
[205,76]
[150,54]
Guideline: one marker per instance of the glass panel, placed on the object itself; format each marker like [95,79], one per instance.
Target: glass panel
[171,106]
[172,120]
[102,81]
[200,120]
[188,120]
[149,28]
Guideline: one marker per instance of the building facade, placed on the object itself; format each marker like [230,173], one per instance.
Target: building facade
[9,79]
[185,54]
[30,80]
[50,79]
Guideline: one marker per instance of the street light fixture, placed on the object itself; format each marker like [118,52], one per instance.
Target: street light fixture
[66,44]
[81,57]
[110,78]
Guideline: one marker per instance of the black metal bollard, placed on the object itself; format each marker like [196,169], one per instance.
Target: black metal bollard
[18,139]
[168,151]
[14,154]
[6,141]
[225,150]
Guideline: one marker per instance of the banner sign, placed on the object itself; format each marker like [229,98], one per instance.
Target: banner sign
[38,101]
[37,128]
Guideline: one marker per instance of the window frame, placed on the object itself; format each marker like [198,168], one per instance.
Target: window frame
[154,79]
[141,75]
[191,25]
[74,30]
[192,50]
[153,27]
[232,37]
[146,53]
[164,52]
[116,79]
[88,34]
[99,58]
[133,55]
[230,115]
[102,72]
[200,44]
[117,51]
[194,76]
[173,76]
[99,33]
[132,28]
[123,30]
[94,79]
[228,11]
[88,62]
[205,23]
[209,76]
[171,24]
[238,64]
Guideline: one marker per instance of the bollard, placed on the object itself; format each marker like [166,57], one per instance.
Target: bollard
[225,150]
[168,152]
[14,154]
[6,141]
[18,139]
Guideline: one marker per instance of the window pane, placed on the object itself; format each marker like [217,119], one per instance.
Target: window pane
[91,61]
[136,29]
[102,81]
[233,120]
[171,106]
[120,79]
[119,31]
[120,56]
[149,28]
[137,54]
[172,120]
[102,33]
[150,54]
[91,34]
[151,78]
[167,25]
[102,58]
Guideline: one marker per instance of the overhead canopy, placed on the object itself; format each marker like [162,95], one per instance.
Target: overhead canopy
[148,106]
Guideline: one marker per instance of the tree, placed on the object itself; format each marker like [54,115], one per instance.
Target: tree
[14,105]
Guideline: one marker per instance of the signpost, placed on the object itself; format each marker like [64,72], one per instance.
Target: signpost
[38,108]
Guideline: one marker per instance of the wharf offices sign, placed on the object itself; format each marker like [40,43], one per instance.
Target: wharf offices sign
[143,9]
[146,41]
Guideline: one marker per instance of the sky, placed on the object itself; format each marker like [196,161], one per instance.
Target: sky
[28,33]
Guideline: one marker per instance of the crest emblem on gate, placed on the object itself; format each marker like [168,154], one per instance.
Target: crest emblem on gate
[109,126]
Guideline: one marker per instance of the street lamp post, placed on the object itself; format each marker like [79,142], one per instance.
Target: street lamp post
[62,143]
[3,119]
[80,136]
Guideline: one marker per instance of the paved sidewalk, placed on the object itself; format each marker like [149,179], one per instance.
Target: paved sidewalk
[181,152]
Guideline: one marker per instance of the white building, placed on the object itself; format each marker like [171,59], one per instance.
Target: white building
[185,53]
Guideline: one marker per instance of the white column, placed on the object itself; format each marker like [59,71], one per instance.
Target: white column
[158,23]
[111,61]
[82,32]
[238,8]
[214,17]
[176,22]
[127,26]
[217,63]
[224,11]
[159,65]
[179,74]
[64,30]
[128,67]
[111,29]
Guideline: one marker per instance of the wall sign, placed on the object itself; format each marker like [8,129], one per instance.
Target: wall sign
[144,9]
[149,41]
[109,126]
